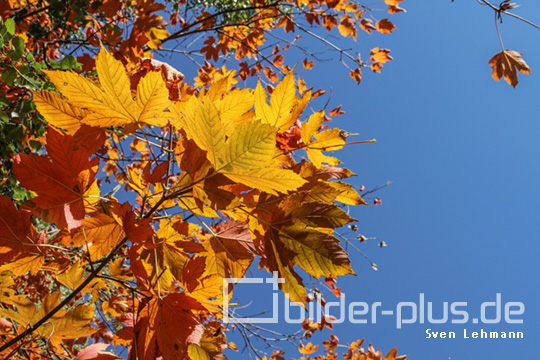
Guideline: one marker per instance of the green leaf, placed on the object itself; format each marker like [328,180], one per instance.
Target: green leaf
[9,75]
[10,26]
[69,62]
[4,101]
[17,43]
[30,81]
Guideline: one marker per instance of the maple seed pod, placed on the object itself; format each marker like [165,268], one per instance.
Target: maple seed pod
[362,238]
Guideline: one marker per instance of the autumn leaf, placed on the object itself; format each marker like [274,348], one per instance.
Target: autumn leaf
[100,234]
[230,252]
[384,26]
[318,253]
[96,352]
[16,230]
[507,64]
[380,55]
[169,324]
[309,348]
[59,112]
[64,186]
[64,324]
[113,105]
[367,25]
[347,26]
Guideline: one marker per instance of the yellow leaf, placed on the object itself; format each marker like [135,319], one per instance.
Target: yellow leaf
[115,82]
[209,292]
[318,158]
[196,352]
[347,194]
[23,264]
[225,258]
[58,112]
[153,99]
[74,276]
[312,126]
[234,105]
[113,105]
[328,140]
[262,111]
[282,102]
[251,146]
[270,180]
[83,93]
[155,35]
[319,254]
[202,123]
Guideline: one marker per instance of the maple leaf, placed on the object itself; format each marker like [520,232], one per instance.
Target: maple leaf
[168,324]
[230,252]
[114,105]
[64,186]
[315,142]
[384,26]
[309,348]
[59,112]
[318,253]
[64,324]
[74,276]
[100,233]
[347,26]
[380,55]
[507,63]
[282,101]
[16,230]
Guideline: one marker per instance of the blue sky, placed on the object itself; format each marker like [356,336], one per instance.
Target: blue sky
[461,217]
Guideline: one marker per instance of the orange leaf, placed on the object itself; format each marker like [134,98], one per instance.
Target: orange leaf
[392,9]
[384,26]
[308,349]
[167,325]
[356,75]
[347,26]
[507,64]
[308,64]
[380,55]
[329,22]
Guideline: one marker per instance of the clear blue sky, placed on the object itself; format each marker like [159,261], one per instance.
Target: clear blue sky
[461,218]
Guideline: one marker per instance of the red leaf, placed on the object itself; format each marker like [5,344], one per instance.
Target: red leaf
[60,185]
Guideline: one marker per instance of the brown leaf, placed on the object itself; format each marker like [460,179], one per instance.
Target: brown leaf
[507,64]
[367,25]
[384,26]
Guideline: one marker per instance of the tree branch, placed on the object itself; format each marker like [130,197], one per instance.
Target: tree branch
[498,10]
